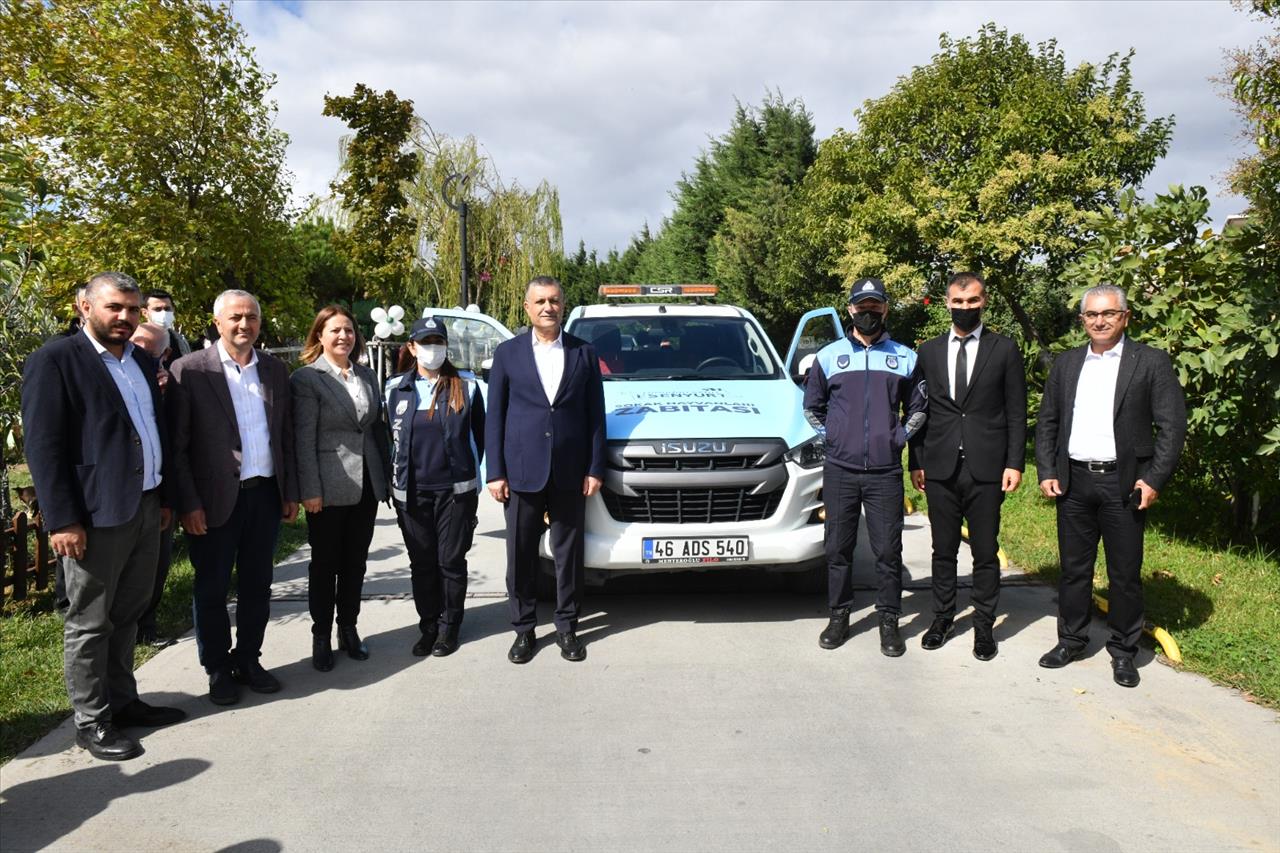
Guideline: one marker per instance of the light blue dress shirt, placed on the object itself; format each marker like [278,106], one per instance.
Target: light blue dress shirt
[136,393]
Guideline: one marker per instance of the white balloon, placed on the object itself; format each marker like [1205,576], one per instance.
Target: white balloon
[378,314]
[382,330]
[395,312]
[397,328]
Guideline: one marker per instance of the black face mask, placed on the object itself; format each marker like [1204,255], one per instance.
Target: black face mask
[868,322]
[966,319]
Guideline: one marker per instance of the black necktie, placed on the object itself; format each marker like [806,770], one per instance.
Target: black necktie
[962,371]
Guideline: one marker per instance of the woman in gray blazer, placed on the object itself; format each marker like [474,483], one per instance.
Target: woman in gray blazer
[343,471]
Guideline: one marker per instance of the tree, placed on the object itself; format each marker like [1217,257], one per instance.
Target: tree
[159,142]
[378,241]
[989,158]
[1210,301]
[26,305]
[1255,87]
[513,234]
[729,208]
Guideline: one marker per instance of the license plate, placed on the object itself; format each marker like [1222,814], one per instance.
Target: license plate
[696,550]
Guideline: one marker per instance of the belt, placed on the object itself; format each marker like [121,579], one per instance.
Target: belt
[254,482]
[1095,467]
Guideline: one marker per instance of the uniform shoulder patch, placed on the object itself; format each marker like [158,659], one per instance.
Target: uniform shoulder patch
[402,407]
[842,361]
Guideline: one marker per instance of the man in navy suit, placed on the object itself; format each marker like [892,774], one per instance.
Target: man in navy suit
[545,437]
[97,447]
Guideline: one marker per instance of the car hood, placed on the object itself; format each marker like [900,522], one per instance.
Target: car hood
[712,409]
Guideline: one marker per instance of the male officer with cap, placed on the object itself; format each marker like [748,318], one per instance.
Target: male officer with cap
[857,387]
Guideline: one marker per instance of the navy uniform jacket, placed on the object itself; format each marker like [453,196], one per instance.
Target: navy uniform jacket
[85,455]
[857,392]
[533,443]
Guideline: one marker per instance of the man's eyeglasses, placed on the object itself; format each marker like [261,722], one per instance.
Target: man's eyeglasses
[1110,315]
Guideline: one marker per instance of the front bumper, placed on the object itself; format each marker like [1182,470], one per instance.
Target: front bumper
[788,540]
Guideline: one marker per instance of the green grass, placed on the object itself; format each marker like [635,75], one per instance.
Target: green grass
[33,696]
[1220,602]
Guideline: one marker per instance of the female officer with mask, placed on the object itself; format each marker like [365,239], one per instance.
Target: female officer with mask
[437,434]
[343,463]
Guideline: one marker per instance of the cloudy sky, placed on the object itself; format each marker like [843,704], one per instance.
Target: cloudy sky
[609,102]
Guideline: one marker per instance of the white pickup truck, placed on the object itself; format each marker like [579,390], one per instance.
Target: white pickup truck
[711,461]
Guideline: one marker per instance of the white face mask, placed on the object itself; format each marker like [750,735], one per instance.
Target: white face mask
[161,318]
[431,356]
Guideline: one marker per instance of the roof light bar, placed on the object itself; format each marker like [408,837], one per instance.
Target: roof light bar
[636,291]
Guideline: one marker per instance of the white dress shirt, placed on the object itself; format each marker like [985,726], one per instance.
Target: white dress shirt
[352,384]
[250,402]
[1093,437]
[133,388]
[953,351]
[549,359]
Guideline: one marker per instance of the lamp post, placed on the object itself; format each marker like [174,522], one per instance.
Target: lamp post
[461,208]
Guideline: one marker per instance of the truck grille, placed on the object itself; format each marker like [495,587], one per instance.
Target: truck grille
[691,506]
[694,463]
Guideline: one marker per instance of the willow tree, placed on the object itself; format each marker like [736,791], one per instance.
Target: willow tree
[513,234]
[991,157]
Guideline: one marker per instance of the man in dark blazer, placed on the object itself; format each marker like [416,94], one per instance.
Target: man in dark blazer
[1098,458]
[234,479]
[98,452]
[970,454]
[545,438]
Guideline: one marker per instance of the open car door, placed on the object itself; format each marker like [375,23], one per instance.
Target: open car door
[815,330]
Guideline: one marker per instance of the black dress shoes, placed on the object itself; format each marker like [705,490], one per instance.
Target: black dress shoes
[1124,672]
[446,645]
[571,647]
[223,689]
[890,639]
[1059,656]
[139,713]
[836,632]
[939,632]
[984,643]
[251,674]
[105,741]
[425,644]
[522,648]
[349,639]
[322,653]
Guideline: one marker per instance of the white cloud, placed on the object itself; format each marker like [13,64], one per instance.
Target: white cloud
[609,102]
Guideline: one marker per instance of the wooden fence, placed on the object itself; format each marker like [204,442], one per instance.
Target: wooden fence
[20,566]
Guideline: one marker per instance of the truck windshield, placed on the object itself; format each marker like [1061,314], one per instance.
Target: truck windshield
[678,347]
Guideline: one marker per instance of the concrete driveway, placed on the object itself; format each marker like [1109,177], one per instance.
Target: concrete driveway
[704,718]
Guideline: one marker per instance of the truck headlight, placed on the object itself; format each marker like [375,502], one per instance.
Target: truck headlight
[811,454]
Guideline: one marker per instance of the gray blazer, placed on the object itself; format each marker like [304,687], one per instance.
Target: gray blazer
[333,444]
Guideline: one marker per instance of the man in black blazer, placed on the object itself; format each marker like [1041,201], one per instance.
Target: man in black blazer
[970,454]
[97,448]
[545,438]
[1099,459]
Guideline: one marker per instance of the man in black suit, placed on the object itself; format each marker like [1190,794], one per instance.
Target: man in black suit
[97,446]
[970,454]
[545,438]
[1099,460]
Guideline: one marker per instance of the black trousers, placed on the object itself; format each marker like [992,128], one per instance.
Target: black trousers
[846,493]
[247,543]
[567,509]
[438,528]
[951,502]
[147,621]
[1096,505]
[339,537]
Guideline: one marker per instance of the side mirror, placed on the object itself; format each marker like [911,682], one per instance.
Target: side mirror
[485,367]
[803,368]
